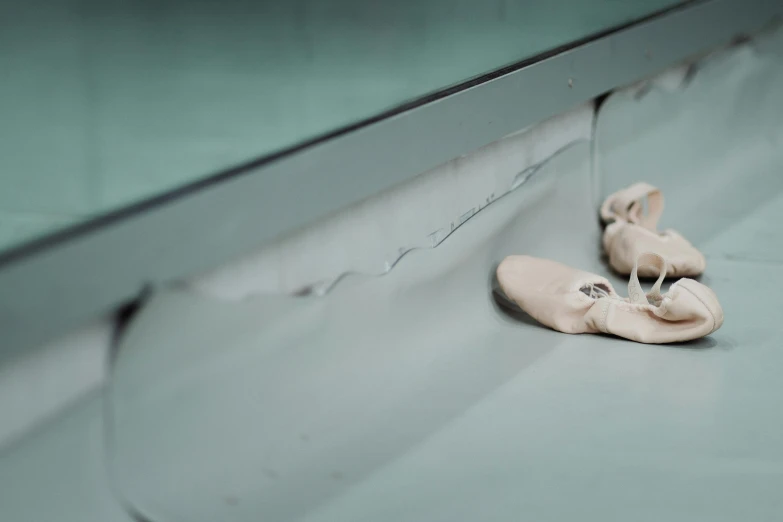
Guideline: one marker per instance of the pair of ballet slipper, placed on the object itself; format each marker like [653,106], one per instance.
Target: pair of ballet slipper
[573,301]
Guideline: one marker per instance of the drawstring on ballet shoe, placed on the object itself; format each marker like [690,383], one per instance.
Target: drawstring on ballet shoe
[594,292]
[635,292]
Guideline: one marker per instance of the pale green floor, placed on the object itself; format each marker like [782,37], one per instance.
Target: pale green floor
[107,103]
[439,406]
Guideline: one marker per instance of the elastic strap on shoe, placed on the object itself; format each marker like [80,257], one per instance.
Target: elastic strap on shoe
[627,205]
[635,292]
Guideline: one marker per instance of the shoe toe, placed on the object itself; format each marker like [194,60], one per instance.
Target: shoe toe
[697,304]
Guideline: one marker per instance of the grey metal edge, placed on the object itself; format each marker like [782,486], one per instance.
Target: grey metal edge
[69,282]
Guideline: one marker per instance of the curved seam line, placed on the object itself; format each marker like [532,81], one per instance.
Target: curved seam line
[714,321]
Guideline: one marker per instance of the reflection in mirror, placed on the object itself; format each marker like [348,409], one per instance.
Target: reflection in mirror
[106,103]
[291,408]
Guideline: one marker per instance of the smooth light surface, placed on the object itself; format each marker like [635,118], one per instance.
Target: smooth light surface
[59,473]
[76,279]
[414,397]
[35,388]
[107,103]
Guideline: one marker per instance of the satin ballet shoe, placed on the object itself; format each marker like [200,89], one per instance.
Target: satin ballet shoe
[631,231]
[574,301]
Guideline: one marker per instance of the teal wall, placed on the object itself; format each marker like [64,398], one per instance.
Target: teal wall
[106,103]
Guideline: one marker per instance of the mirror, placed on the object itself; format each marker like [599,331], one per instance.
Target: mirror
[106,104]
